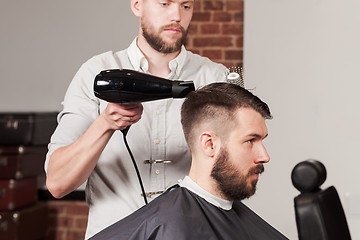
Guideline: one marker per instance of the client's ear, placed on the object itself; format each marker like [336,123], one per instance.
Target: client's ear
[136,7]
[209,143]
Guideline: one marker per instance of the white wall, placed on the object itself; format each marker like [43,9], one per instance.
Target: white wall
[303,57]
[43,43]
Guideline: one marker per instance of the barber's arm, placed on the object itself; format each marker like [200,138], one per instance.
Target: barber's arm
[70,166]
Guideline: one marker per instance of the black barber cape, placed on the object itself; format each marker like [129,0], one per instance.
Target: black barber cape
[180,214]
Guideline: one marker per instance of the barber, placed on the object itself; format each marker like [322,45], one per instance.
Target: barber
[86,145]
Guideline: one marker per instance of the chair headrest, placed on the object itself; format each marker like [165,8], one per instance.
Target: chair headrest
[308,175]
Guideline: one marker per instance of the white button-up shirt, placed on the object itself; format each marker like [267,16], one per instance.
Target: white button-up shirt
[112,190]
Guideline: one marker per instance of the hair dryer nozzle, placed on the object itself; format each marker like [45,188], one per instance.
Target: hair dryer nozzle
[128,86]
[181,88]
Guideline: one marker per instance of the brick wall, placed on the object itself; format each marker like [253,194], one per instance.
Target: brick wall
[217,33]
[67,220]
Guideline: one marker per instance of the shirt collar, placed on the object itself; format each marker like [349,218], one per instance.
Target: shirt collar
[188,183]
[177,63]
[140,63]
[136,57]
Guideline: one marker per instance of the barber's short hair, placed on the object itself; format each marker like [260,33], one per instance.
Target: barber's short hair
[216,104]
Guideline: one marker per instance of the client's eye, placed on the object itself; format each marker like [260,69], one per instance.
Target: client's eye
[251,141]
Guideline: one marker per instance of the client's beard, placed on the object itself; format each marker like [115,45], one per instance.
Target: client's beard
[231,182]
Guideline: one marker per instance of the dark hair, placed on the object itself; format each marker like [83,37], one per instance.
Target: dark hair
[217,103]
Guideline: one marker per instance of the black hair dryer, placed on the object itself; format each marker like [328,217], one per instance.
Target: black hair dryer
[128,86]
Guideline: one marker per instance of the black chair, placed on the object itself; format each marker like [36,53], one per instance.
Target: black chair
[319,213]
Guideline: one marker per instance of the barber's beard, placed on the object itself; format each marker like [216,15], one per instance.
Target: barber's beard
[158,43]
[231,182]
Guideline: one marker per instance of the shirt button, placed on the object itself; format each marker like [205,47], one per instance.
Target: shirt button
[157,141]
[157,171]
[158,112]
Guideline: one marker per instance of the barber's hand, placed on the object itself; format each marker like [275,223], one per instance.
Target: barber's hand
[119,116]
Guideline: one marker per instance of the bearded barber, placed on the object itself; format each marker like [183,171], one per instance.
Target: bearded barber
[86,146]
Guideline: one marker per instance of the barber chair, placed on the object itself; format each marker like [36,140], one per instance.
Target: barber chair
[319,213]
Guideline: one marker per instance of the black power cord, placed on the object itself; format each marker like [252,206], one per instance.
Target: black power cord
[125,131]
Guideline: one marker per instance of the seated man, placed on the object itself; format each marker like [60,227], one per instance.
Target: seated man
[224,126]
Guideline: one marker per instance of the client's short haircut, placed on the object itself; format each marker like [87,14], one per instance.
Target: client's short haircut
[216,104]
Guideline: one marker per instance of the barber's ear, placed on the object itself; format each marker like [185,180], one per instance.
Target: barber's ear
[136,7]
[210,143]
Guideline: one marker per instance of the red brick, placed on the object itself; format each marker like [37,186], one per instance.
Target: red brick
[233,54]
[210,28]
[213,5]
[232,29]
[213,54]
[222,17]
[188,43]
[74,235]
[80,223]
[63,222]
[78,209]
[197,5]
[240,41]
[235,5]
[213,42]
[239,16]
[56,207]
[193,29]
[201,16]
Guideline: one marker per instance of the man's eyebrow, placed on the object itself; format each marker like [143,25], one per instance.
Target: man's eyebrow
[258,136]
[183,2]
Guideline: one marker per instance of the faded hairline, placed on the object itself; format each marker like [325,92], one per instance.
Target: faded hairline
[216,105]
